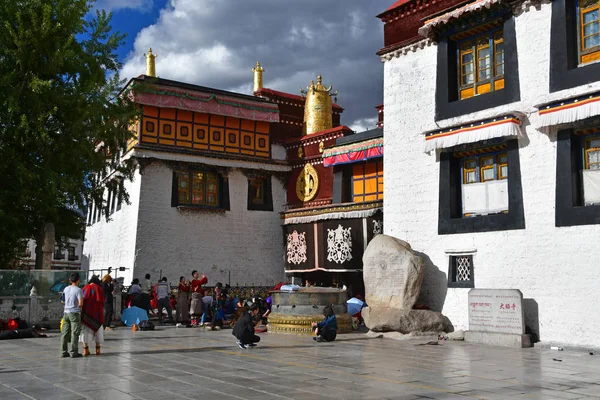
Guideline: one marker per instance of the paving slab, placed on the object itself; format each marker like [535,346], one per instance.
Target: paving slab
[192,363]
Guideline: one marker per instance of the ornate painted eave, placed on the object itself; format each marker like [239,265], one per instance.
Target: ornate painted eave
[444,19]
[503,126]
[355,152]
[170,94]
[340,211]
[570,110]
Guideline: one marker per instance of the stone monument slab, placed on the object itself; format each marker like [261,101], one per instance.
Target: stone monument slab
[496,318]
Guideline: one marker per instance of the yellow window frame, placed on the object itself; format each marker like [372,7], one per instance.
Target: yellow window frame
[587,149]
[582,25]
[494,81]
[483,168]
[502,164]
[498,40]
[186,190]
[467,170]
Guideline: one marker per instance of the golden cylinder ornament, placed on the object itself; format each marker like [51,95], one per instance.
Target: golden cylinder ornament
[258,77]
[150,63]
[318,107]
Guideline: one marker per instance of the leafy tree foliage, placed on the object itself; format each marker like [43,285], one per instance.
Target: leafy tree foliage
[62,120]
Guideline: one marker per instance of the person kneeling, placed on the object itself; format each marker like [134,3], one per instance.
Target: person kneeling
[326,330]
[244,328]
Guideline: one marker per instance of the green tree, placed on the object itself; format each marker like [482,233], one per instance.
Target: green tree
[62,118]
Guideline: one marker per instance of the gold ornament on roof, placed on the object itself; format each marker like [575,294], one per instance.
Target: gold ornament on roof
[258,77]
[307,184]
[300,152]
[150,64]
[318,107]
[321,146]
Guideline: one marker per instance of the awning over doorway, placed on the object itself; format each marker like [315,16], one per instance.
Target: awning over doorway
[570,110]
[354,152]
[426,29]
[506,125]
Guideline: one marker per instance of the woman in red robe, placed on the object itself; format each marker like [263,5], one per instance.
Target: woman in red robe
[197,291]
[92,315]
[183,304]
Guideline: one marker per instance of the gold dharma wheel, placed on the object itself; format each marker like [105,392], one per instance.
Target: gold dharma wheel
[307,184]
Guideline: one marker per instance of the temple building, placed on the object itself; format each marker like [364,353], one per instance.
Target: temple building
[492,138]
[217,175]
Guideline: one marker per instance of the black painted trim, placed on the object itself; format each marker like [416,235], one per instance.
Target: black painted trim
[452,270]
[359,137]
[564,70]
[268,206]
[569,210]
[447,104]
[450,219]
[338,184]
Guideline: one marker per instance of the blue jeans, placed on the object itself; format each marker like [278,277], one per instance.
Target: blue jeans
[204,313]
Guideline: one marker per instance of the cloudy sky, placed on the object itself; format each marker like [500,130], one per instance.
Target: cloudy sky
[216,43]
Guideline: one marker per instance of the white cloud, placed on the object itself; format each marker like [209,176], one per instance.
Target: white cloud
[364,124]
[216,43]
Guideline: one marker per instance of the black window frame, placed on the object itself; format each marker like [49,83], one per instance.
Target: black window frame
[451,220]
[569,207]
[452,272]
[267,195]
[59,253]
[565,70]
[223,190]
[448,103]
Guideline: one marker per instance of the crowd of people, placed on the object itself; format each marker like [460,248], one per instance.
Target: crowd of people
[88,311]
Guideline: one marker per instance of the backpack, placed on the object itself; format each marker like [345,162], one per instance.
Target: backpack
[146,326]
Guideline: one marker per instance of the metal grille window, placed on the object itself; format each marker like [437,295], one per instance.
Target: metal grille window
[460,272]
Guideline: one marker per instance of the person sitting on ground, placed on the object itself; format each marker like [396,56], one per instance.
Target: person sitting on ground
[163,291]
[218,308]
[244,329]
[326,330]
[27,333]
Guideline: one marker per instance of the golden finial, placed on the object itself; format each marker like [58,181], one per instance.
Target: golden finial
[318,107]
[258,78]
[150,64]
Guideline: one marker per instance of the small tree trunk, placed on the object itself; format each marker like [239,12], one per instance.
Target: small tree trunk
[44,247]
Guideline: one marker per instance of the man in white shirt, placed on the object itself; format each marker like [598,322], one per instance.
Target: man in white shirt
[71,328]
[163,291]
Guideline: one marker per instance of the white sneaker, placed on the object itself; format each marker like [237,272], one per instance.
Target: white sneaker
[217,328]
[242,346]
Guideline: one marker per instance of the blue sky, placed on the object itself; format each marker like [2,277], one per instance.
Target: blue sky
[132,20]
[216,43]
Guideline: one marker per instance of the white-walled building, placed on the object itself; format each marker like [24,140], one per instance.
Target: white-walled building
[207,190]
[68,257]
[493,154]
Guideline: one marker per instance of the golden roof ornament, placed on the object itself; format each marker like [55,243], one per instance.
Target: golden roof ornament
[150,64]
[318,107]
[258,76]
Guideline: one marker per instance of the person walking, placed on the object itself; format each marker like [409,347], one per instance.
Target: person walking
[244,329]
[326,330]
[108,288]
[163,291]
[183,304]
[92,315]
[72,317]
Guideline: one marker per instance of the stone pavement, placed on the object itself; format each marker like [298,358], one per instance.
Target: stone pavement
[180,363]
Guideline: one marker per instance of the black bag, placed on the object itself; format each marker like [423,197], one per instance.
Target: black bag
[146,326]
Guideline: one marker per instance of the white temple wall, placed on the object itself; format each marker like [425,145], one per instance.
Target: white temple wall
[247,243]
[113,243]
[555,267]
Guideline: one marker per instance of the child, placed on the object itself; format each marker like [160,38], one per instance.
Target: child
[326,330]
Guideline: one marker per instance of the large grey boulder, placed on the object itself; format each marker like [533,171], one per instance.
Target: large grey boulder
[392,273]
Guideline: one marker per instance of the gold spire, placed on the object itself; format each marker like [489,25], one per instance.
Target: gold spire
[318,107]
[258,81]
[150,65]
